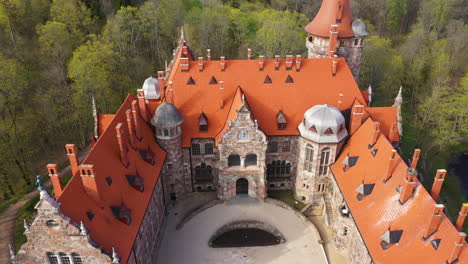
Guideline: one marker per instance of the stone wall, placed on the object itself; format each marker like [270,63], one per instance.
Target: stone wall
[145,248]
[55,233]
[209,159]
[290,156]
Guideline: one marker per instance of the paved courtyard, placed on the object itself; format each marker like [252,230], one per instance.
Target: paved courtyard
[189,244]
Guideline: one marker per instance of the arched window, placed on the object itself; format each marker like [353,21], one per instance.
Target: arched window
[203,173]
[52,258]
[251,159]
[324,159]
[76,258]
[243,135]
[278,169]
[64,258]
[166,132]
[233,160]
[309,158]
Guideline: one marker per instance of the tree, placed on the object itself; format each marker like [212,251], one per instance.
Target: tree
[397,11]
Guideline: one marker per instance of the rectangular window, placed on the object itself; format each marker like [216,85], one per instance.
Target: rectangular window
[309,158]
[196,149]
[273,146]
[286,146]
[208,148]
[169,166]
[324,159]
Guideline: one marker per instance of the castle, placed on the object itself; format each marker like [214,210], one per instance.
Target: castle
[245,127]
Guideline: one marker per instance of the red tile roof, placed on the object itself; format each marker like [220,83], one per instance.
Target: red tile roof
[105,229]
[104,121]
[327,16]
[381,209]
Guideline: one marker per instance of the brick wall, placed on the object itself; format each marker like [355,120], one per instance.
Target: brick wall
[278,183]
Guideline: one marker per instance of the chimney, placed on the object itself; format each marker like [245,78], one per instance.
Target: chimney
[55,179]
[261,62]
[221,94]
[332,41]
[88,178]
[222,63]
[121,140]
[391,165]
[71,153]
[136,124]
[458,248]
[289,62]
[142,105]
[298,62]
[409,185]
[277,62]
[461,217]
[334,66]
[436,219]
[161,80]
[393,136]
[414,162]
[184,50]
[356,118]
[339,11]
[375,133]
[184,64]
[200,64]
[131,129]
[249,54]
[208,54]
[170,93]
[340,101]
[437,185]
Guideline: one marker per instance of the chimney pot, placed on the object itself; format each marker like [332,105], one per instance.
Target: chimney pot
[136,124]
[340,101]
[393,136]
[409,185]
[298,62]
[72,157]
[200,64]
[356,118]
[184,50]
[142,105]
[332,40]
[414,162]
[277,62]
[131,129]
[249,54]
[88,178]
[184,65]
[437,185]
[161,80]
[436,219]
[261,62]
[334,66]
[208,54]
[391,165]
[289,62]
[222,63]
[458,248]
[121,140]
[376,133]
[221,94]
[461,217]
[55,179]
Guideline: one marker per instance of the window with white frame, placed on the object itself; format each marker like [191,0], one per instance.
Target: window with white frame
[243,135]
[76,258]
[309,158]
[64,258]
[324,159]
[52,258]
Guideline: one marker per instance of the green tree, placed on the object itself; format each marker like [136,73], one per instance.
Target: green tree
[397,11]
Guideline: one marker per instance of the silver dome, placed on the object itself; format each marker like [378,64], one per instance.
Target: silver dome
[323,124]
[167,115]
[151,88]
[359,28]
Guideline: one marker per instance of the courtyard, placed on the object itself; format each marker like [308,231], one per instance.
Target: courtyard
[189,228]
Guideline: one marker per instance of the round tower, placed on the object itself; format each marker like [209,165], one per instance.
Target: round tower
[323,132]
[333,32]
[167,120]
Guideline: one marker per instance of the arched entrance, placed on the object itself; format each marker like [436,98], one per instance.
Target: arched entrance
[242,186]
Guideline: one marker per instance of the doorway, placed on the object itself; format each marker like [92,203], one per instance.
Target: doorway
[242,186]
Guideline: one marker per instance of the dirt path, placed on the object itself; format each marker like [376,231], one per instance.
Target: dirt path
[8,217]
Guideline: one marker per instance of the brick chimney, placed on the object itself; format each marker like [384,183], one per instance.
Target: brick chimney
[142,105]
[289,62]
[122,141]
[208,54]
[391,165]
[414,162]
[72,157]
[461,217]
[277,62]
[161,80]
[298,62]
[184,64]
[249,54]
[437,185]
[375,133]
[222,63]
[136,124]
[200,64]
[131,129]
[55,179]
[357,115]
[261,62]
[339,11]
[393,136]
[409,185]
[88,178]
[340,101]
[458,247]
[436,219]
[221,94]
[334,66]
[332,41]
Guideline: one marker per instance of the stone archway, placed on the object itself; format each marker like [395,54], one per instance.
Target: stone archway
[242,186]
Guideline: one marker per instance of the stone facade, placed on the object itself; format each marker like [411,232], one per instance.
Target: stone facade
[285,149]
[151,229]
[348,48]
[209,156]
[55,234]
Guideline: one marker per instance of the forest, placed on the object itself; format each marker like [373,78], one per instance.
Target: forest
[57,54]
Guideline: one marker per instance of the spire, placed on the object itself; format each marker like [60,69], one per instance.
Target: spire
[39,183]
[398,98]
[83,230]
[115,257]
[182,35]
[397,104]
[96,118]
[12,254]
[369,92]
[332,12]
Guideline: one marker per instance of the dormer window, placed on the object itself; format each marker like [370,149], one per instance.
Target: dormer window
[203,123]
[136,182]
[267,79]
[122,213]
[364,190]
[190,81]
[313,129]
[328,131]
[289,79]
[390,237]
[281,120]
[213,80]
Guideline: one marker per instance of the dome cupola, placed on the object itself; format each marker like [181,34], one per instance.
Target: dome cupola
[359,29]
[166,116]
[323,124]
[151,88]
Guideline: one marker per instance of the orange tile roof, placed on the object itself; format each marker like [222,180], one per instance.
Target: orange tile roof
[385,115]
[381,209]
[313,84]
[105,229]
[327,16]
[365,94]
[103,122]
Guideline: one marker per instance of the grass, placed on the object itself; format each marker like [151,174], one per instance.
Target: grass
[28,213]
[286,196]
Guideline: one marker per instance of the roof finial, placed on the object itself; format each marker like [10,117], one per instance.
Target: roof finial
[12,254]
[26,225]
[182,35]
[96,119]
[39,183]
[369,92]
[83,230]
[115,257]
[399,98]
